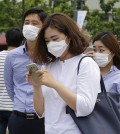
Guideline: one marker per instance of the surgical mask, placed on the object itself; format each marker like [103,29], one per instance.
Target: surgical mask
[57,48]
[101,59]
[30,32]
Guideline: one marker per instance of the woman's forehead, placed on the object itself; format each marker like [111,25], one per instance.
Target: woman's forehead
[51,32]
[98,44]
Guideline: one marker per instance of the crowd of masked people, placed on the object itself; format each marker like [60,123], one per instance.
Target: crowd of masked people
[35,102]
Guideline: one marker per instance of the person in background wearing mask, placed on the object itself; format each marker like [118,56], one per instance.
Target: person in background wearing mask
[23,120]
[14,38]
[106,53]
[60,46]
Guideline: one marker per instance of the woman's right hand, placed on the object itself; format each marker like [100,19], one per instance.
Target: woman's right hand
[32,81]
[90,53]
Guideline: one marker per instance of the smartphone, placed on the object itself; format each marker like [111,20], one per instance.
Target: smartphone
[32,68]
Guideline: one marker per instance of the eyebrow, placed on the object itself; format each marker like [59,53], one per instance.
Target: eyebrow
[32,20]
[52,37]
[99,46]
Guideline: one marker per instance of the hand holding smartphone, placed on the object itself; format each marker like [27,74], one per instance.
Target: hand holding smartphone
[32,68]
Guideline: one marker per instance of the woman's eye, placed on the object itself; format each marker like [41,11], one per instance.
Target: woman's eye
[47,42]
[55,39]
[34,24]
[26,23]
[101,51]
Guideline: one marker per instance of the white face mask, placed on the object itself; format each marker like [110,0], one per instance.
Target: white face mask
[30,32]
[101,59]
[57,48]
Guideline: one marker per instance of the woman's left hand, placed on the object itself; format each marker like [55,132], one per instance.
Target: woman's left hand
[45,78]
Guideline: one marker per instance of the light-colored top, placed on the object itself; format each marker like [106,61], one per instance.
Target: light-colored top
[5,101]
[112,80]
[86,85]
[18,88]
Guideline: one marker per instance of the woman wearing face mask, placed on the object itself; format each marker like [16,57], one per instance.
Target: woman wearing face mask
[106,53]
[60,47]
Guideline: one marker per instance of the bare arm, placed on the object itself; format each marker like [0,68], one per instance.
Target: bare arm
[66,94]
[38,98]
[38,101]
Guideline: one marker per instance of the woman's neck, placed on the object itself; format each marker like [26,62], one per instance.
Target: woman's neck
[67,56]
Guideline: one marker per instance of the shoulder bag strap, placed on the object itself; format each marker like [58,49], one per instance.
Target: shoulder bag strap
[103,89]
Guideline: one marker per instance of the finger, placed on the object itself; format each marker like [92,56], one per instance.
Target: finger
[28,73]
[42,78]
[28,78]
[45,71]
[40,72]
[91,52]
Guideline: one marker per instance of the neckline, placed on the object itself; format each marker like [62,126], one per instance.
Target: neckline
[71,59]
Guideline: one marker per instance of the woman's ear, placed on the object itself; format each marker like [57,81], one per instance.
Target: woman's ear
[112,54]
[68,40]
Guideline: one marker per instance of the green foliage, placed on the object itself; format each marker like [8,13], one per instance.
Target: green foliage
[64,6]
[10,16]
[116,18]
[11,13]
[99,21]
[116,13]
[106,7]
[93,22]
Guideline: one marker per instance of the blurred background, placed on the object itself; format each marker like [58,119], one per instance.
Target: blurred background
[96,15]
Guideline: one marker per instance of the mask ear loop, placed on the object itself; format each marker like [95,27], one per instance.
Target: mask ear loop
[68,43]
[111,57]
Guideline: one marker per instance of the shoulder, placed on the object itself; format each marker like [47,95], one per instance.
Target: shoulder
[87,60]
[114,71]
[88,64]
[16,51]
